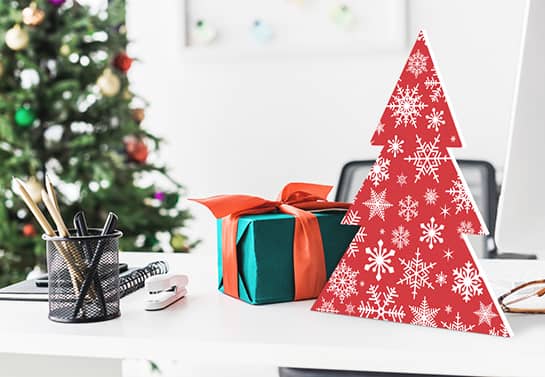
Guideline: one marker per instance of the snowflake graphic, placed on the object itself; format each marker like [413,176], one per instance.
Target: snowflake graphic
[406,106]
[377,204]
[432,83]
[349,309]
[380,128]
[343,282]
[379,171]
[408,208]
[427,158]
[465,227]
[416,273]
[379,305]
[448,254]
[379,260]
[327,306]
[501,332]
[417,63]
[435,119]
[395,146]
[448,309]
[431,233]
[353,249]
[431,196]
[460,196]
[457,325]
[441,278]
[360,235]
[401,179]
[423,315]
[485,313]
[400,237]
[352,217]
[467,282]
[445,211]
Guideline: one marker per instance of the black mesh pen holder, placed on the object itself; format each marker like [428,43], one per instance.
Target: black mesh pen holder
[83,277]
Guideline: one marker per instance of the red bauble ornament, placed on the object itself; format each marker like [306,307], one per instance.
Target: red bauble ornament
[29,230]
[123,62]
[136,150]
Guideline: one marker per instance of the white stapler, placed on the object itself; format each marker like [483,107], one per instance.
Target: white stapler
[164,290]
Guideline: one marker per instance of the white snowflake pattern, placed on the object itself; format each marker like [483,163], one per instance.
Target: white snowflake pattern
[352,217]
[427,158]
[460,196]
[349,309]
[380,128]
[353,249]
[406,106]
[466,282]
[381,305]
[408,208]
[401,179]
[360,235]
[485,313]
[432,83]
[395,146]
[327,306]
[501,332]
[400,237]
[457,325]
[431,233]
[435,119]
[380,259]
[343,282]
[424,315]
[416,273]
[465,227]
[448,309]
[441,278]
[431,196]
[379,171]
[448,254]
[445,211]
[417,63]
[377,204]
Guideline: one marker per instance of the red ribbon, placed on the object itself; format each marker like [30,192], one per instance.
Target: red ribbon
[308,253]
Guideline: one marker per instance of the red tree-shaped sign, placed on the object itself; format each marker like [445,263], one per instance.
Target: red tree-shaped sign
[411,261]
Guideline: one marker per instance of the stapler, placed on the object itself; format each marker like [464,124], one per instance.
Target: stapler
[164,290]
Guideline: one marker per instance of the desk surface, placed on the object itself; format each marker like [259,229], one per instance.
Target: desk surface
[208,326]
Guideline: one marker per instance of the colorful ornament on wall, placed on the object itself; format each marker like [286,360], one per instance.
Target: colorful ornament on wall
[56,3]
[24,117]
[32,15]
[342,16]
[29,230]
[138,114]
[136,149]
[204,33]
[123,62]
[16,38]
[262,31]
[108,83]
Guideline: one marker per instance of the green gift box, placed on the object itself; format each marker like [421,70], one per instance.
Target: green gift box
[265,253]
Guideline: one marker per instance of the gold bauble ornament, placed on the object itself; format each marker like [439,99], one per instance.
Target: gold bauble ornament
[108,83]
[34,188]
[16,38]
[138,114]
[32,15]
[179,242]
[64,50]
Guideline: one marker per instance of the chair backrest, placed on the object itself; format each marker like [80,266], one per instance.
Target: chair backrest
[479,175]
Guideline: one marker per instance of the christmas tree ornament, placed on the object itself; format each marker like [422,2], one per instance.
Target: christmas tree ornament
[24,117]
[65,50]
[262,32]
[411,260]
[159,195]
[29,230]
[56,3]
[204,33]
[179,242]
[136,150]
[138,114]
[16,38]
[32,15]
[342,16]
[108,83]
[29,78]
[123,62]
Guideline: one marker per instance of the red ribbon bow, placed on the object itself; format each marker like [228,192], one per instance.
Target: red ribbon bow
[308,253]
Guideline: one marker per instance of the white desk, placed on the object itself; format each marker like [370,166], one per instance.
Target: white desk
[210,327]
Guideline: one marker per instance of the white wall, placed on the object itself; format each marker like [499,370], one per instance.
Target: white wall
[251,125]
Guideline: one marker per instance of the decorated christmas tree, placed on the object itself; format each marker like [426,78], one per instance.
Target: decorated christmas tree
[66,107]
[411,260]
